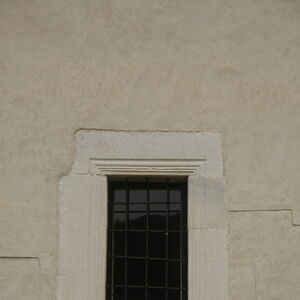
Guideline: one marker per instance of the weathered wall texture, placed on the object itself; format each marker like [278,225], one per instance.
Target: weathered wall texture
[229,66]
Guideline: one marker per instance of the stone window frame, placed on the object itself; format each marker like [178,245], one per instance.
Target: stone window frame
[83,206]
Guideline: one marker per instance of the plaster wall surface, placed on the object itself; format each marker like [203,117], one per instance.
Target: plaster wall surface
[226,66]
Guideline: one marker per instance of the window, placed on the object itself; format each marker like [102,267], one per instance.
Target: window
[102,158]
[147,240]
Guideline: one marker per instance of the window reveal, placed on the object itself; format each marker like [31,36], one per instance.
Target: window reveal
[147,240]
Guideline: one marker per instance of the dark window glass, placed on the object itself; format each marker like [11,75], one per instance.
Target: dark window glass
[175,195]
[119,243]
[174,294]
[184,274]
[158,207]
[108,293]
[136,272]
[157,220]
[136,243]
[136,294]
[119,208]
[158,194]
[118,220]
[175,207]
[137,207]
[157,244]
[119,277]
[156,273]
[137,195]
[147,240]
[119,196]
[136,220]
[109,271]
[157,294]
[174,273]
[173,242]
[118,293]
[174,220]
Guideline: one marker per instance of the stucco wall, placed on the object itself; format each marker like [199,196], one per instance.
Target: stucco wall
[228,66]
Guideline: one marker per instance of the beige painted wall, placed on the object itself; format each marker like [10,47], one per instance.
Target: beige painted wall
[228,66]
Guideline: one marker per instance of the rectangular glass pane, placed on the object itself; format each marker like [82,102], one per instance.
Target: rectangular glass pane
[184,274]
[173,274]
[119,207]
[157,244]
[158,195]
[136,272]
[137,207]
[136,243]
[119,243]
[118,293]
[158,207]
[158,221]
[173,242]
[175,207]
[119,220]
[137,195]
[157,273]
[174,294]
[119,276]
[136,294]
[175,196]
[174,221]
[136,220]
[119,196]
[157,294]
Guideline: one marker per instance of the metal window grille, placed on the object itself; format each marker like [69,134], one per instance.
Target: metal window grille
[147,240]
